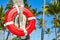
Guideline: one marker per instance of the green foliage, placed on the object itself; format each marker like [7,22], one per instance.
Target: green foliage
[27,5]
[35,12]
[15,38]
[56,22]
[54,39]
[52,8]
[47,31]
[40,22]
[25,1]
[1,11]
[2,18]
[9,5]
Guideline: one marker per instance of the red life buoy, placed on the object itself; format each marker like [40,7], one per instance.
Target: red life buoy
[9,17]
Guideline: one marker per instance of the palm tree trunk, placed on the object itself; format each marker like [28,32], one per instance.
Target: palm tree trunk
[55,29]
[42,34]
[55,33]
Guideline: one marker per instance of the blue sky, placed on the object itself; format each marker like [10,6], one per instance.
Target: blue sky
[36,34]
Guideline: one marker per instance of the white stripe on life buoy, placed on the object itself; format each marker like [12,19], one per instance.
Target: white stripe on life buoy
[8,23]
[30,18]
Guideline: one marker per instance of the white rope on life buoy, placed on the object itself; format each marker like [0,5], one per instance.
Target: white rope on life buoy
[22,6]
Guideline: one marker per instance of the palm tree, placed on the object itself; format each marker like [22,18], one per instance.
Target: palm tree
[2,27]
[53,9]
[40,20]
[43,22]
